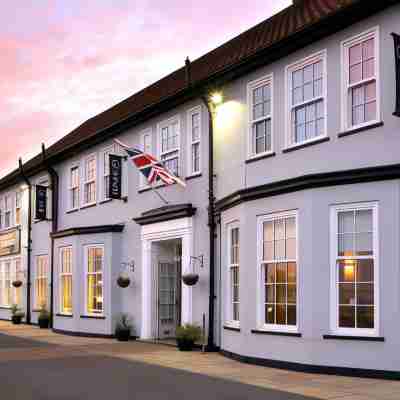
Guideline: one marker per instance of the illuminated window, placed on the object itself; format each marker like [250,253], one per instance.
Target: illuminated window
[194,138]
[279,271]
[66,280]
[41,281]
[89,196]
[260,110]
[7,288]
[74,183]
[18,196]
[307,99]
[360,55]
[169,145]
[94,280]
[355,267]
[234,270]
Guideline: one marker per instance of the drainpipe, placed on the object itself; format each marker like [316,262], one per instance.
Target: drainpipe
[54,224]
[29,246]
[211,224]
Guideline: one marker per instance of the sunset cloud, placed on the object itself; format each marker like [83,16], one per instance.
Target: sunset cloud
[62,62]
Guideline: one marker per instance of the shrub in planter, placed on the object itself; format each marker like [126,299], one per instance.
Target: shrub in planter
[187,336]
[44,317]
[123,328]
[16,314]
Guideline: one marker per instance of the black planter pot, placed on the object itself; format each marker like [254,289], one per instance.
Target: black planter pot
[123,282]
[17,283]
[185,345]
[190,279]
[44,323]
[16,319]
[123,335]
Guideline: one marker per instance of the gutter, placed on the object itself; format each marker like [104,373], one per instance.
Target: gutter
[54,225]
[29,246]
[211,224]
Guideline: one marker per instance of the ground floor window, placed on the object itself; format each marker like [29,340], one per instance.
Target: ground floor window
[233,270]
[94,279]
[66,280]
[278,271]
[41,281]
[354,267]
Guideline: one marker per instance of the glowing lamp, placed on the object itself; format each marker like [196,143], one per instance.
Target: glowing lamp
[216,98]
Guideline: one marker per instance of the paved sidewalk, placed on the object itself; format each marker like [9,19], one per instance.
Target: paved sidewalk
[33,344]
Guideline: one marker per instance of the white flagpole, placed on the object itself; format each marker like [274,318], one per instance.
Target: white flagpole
[159,195]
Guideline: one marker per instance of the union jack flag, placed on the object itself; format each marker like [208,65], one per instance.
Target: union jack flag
[153,169]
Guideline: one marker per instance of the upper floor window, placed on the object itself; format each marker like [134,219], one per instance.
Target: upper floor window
[41,281]
[74,187]
[354,268]
[307,99]
[7,211]
[361,80]
[194,138]
[89,184]
[234,281]
[260,110]
[105,158]
[18,206]
[169,145]
[278,273]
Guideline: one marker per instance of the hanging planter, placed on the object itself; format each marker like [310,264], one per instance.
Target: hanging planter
[17,283]
[190,279]
[123,281]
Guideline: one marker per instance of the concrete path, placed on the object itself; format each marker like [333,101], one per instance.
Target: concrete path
[39,365]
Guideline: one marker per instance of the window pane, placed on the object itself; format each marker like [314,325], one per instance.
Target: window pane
[346,222]
[268,231]
[281,294]
[291,315]
[368,69]
[365,317]
[270,293]
[280,249]
[279,229]
[355,54]
[297,78]
[370,111]
[347,270]
[347,293]
[365,293]
[292,273]
[270,273]
[290,249]
[356,73]
[291,294]
[281,273]
[364,244]
[269,253]
[370,92]
[270,314]
[368,49]
[346,245]
[365,271]
[363,221]
[281,314]
[347,317]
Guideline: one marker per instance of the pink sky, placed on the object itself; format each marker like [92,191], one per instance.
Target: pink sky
[64,61]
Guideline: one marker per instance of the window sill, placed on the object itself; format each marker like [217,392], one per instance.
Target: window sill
[260,157]
[194,176]
[64,315]
[231,327]
[350,337]
[105,201]
[275,333]
[88,205]
[73,210]
[37,221]
[5,307]
[361,129]
[93,317]
[306,144]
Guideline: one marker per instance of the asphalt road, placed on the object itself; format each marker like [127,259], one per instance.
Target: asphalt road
[97,377]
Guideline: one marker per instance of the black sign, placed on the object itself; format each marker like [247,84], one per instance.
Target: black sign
[41,202]
[115,187]
[396,39]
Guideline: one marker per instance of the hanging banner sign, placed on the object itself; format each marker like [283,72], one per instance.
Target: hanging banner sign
[396,39]
[41,203]
[10,243]
[115,186]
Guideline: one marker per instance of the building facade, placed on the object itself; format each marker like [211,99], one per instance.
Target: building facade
[298,193]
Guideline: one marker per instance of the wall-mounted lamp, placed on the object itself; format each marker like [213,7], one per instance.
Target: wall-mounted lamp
[216,98]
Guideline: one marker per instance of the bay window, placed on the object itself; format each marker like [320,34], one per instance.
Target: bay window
[66,280]
[41,281]
[354,268]
[278,271]
[361,80]
[94,279]
[233,315]
[307,99]
[260,116]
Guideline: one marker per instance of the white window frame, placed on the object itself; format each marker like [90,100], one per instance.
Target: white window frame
[143,183]
[86,181]
[65,274]
[105,171]
[334,308]
[345,79]
[8,211]
[160,153]
[3,282]
[261,325]
[319,56]
[251,86]
[229,320]
[86,264]
[190,142]
[18,207]
[71,188]
[37,277]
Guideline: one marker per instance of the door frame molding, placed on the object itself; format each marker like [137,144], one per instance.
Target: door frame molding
[177,229]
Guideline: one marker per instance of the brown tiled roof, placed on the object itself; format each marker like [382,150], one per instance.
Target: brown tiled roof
[268,35]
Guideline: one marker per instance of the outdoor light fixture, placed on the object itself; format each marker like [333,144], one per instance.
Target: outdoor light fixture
[216,98]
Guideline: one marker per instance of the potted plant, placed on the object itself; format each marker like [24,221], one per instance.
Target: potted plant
[190,279]
[187,336]
[123,280]
[44,317]
[16,314]
[123,328]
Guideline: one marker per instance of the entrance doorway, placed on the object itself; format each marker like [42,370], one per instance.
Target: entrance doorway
[167,265]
